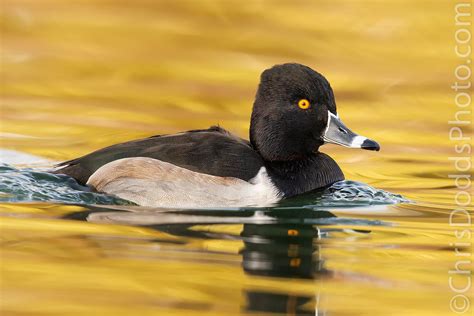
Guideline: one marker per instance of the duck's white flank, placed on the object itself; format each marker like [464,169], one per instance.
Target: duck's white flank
[155,183]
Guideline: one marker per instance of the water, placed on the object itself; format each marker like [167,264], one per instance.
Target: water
[80,76]
[29,185]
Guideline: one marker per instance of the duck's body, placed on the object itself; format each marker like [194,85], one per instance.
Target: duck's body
[212,167]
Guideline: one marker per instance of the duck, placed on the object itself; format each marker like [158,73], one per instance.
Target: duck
[294,114]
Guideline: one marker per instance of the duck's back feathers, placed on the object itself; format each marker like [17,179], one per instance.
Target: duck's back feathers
[212,151]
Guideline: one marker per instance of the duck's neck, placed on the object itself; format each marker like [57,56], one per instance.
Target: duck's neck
[299,176]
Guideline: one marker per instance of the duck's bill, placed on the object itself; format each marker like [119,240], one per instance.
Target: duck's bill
[337,133]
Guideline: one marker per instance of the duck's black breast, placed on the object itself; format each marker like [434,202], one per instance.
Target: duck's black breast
[211,151]
[300,176]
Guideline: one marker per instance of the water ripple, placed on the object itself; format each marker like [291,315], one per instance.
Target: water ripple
[27,185]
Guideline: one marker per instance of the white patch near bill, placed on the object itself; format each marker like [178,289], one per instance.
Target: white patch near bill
[358,141]
[330,115]
[155,183]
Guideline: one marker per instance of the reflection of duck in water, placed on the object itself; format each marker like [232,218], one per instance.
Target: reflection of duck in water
[280,245]
[281,250]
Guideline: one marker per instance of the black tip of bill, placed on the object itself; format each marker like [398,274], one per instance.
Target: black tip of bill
[369,144]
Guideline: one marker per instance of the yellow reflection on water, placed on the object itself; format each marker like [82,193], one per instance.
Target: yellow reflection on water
[77,76]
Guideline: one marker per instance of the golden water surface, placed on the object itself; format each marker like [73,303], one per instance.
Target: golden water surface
[80,75]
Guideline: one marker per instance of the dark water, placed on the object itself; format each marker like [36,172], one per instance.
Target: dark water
[29,185]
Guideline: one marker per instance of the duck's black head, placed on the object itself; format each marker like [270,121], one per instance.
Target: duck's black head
[295,113]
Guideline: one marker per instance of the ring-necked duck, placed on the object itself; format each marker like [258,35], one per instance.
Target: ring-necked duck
[294,113]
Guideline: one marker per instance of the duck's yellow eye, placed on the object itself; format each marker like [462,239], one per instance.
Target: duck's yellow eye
[303,104]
